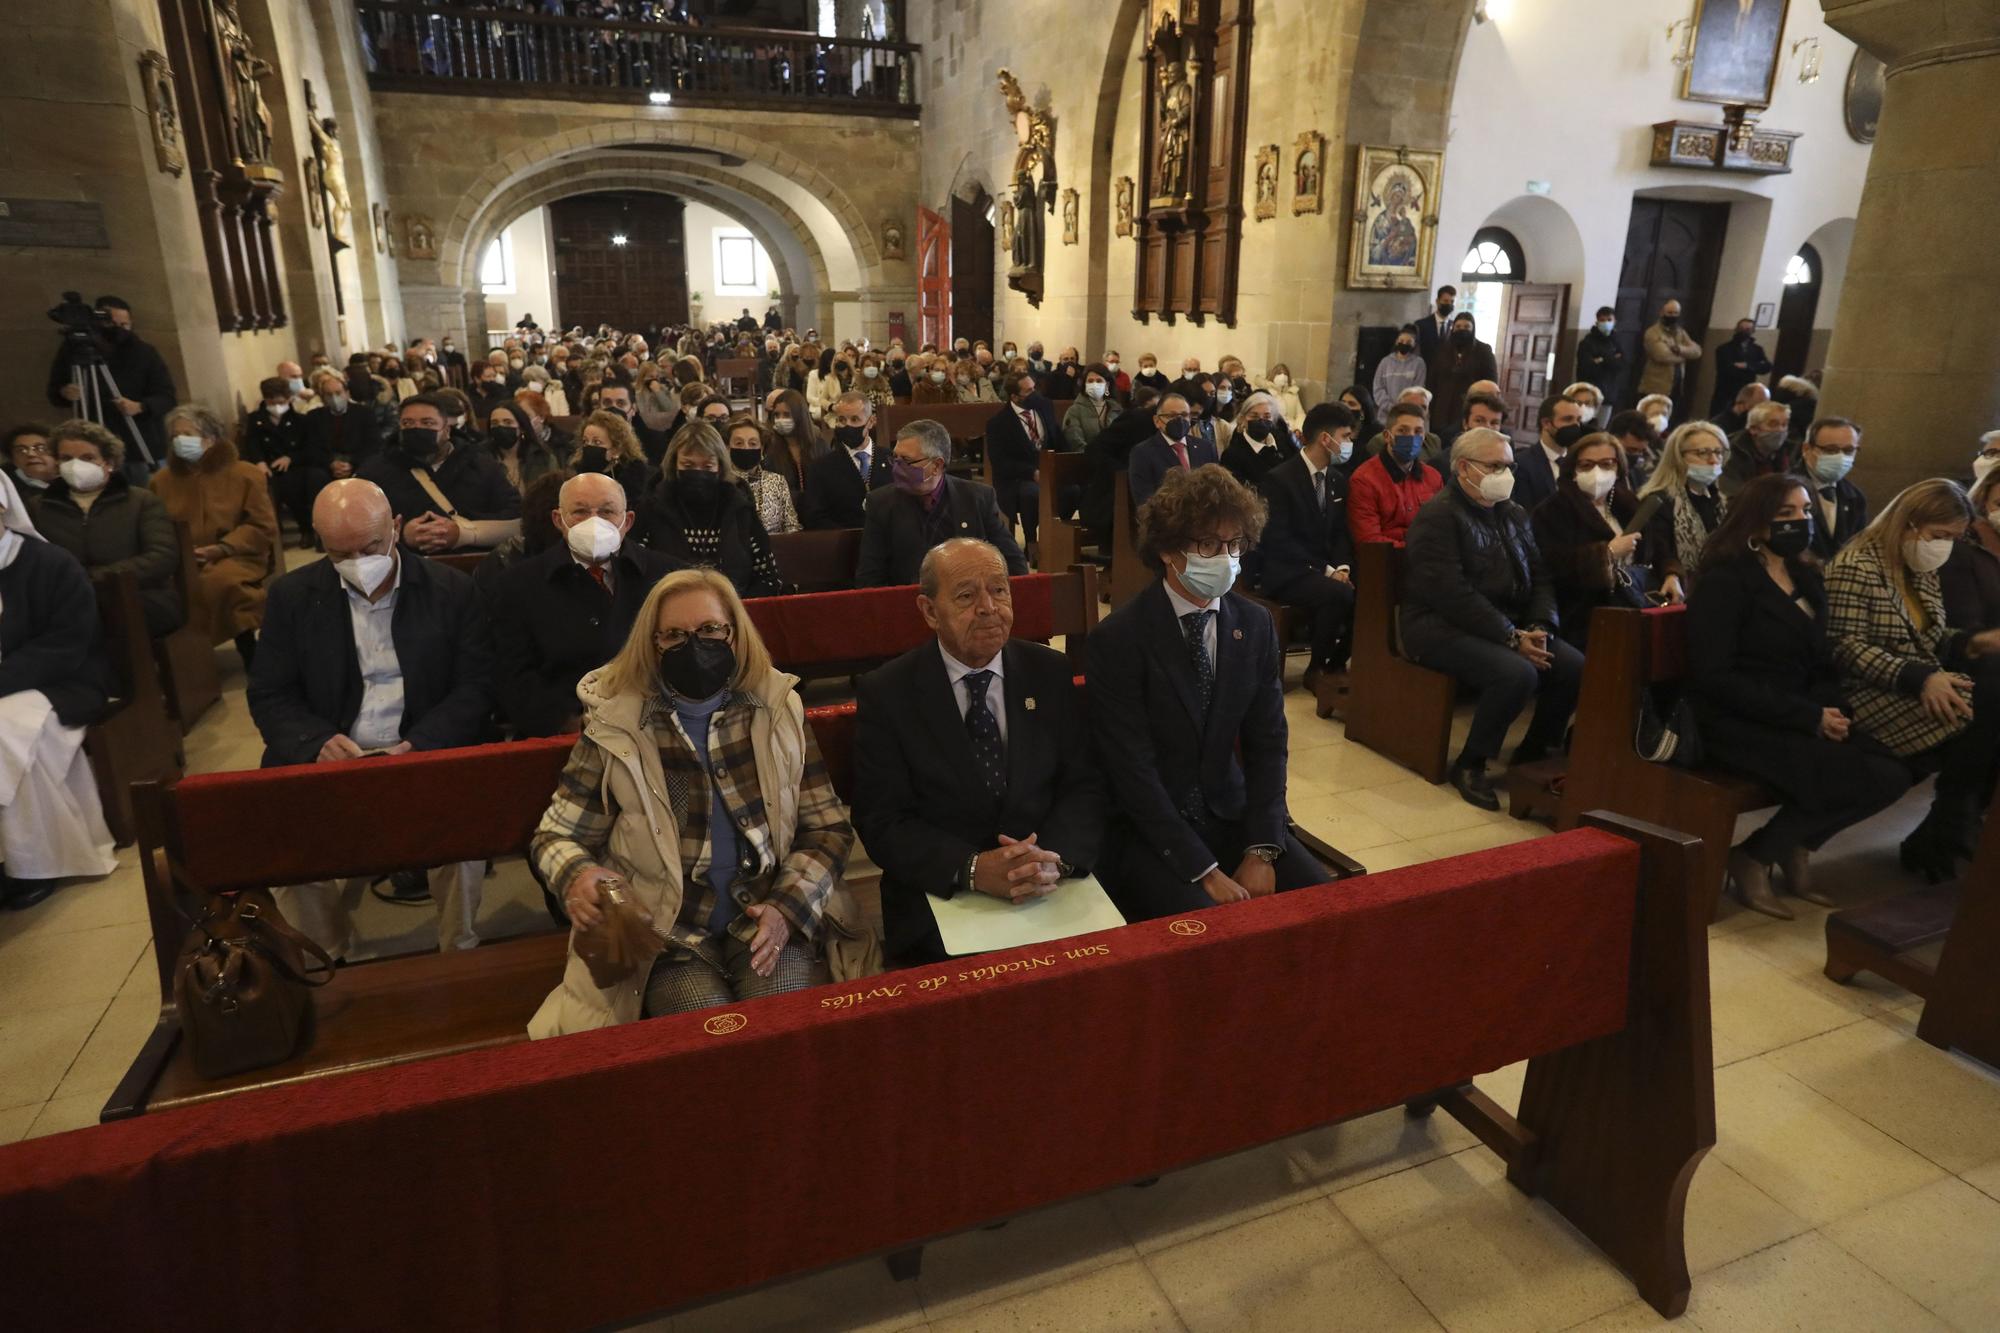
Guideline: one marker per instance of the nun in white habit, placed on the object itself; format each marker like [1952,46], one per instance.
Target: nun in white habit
[53,684]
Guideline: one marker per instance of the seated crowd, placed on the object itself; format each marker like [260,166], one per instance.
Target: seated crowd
[620,507]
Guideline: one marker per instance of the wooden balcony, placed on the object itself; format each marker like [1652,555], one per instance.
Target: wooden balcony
[493,52]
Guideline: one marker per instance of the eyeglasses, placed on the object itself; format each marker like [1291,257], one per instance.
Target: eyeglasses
[1990,453]
[1491,469]
[1849,451]
[1210,547]
[33,450]
[714,631]
[1602,465]
[1702,455]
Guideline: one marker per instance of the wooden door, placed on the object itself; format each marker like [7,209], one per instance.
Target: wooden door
[1673,250]
[1527,354]
[933,278]
[634,285]
[971,268]
[1796,313]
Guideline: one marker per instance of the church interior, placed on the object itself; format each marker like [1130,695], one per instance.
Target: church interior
[908,664]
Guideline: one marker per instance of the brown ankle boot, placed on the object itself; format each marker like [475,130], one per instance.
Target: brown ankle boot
[1752,879]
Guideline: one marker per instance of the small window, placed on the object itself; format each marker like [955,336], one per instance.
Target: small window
[1495,256]
[496,270]
[1798,271]
[736,261]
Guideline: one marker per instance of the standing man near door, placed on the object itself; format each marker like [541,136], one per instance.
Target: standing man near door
[1435,327]
[1738,363]
[1669,353]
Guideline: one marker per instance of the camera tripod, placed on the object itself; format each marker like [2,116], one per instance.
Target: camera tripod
[95,391]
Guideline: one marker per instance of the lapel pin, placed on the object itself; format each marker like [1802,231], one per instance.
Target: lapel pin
[1236,634]
[1028,704]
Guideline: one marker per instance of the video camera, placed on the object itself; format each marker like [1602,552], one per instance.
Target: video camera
[83,328]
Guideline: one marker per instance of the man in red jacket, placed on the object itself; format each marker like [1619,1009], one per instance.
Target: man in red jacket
[1387,490]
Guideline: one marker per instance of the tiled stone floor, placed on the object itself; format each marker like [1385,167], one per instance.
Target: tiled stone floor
[1855,1184]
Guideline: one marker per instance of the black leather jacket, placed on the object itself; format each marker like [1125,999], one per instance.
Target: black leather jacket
[1472,571]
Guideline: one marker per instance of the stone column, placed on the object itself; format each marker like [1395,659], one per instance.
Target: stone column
[1915,356]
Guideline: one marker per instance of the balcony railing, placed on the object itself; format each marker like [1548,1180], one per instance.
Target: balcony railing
[416,47]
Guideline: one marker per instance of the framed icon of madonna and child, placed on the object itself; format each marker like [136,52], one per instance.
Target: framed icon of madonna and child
[1393,230]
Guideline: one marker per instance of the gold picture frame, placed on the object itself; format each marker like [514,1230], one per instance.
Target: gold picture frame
[1392,234]
[1122,192]
[1264,183]
[1308,173]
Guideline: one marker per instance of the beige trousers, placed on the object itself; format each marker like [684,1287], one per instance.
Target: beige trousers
[324,911]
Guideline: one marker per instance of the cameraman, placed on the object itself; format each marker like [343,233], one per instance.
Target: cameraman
[145,386]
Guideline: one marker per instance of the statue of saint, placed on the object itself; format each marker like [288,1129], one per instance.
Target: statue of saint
[1027,223]
[1176,110]
[242,71]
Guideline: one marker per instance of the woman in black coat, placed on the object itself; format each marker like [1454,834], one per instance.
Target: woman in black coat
[696,513]
[1582,533]
[1970,580]
[1766,691]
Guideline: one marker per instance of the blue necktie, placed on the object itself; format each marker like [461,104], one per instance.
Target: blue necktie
[1195,625]
[989,754]
[861,462]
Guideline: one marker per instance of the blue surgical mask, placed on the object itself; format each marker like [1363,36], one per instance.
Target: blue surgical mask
[1210,576]
[1605,326]
[1704,474]
[1829,468]
[1346,451]
[188,448]
[1405,447]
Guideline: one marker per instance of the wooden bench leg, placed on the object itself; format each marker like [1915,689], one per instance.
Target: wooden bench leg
[1622,1122]
[906,1265]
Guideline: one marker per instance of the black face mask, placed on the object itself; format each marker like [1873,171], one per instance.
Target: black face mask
[1789,537]
[1406,348]
[699,668]
[1743,335]
[840,367]
[1463,337]
[701,490]
[504,437]
[1669,321]
[850,437]
[1444,307]
[489,387]
[1257,429]
[418,443]
[593,458]
[1569,435]
[747,460]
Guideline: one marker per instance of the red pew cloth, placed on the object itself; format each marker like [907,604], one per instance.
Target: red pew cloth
[596,1178]
[875,622]
[1666,643]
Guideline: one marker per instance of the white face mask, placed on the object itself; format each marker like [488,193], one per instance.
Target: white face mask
[296,385]
[782,425]
[595,539]
[1982,466]
[365,573]
[1993,518]
[937,377]
[277,409]
[871,372]
[1095,388]
[1928,554]
[1281,379]
[82,475]
[1222,396]
[188,448]
[1597,483]
[1497,487]
[1659,421]
[1111,366]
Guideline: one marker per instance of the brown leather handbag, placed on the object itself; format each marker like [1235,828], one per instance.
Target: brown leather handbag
[243,984]
[624,944]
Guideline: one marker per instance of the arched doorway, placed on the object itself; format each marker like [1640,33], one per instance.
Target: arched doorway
[1804,275]
[972,265]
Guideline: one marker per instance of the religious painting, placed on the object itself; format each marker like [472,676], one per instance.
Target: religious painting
[1861,108]
[1736,48]
[1121,194]
[892,239]
[1393,230]
[1005,224]
[1266,206]
[156,81]
[309,176]
[1308,172]
[1071,205]
[419,238]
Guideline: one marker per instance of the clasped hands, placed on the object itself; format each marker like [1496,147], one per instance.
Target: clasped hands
[431,533]
[1017,870]
[1534,645]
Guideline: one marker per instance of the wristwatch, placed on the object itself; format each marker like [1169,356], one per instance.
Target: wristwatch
[1265,852]
[1513,640]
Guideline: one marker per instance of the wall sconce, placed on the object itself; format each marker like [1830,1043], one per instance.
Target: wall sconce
[1807,49]
[1680,35]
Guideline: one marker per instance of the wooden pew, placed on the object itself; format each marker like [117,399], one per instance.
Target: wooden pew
[1961,993]
[1061,540]
[1129,575]
[1396,708]
[1637,650]
[817,559]
[465,562]
[135,741]
[1583,953]
[736,377]
[965,422]
[186,657]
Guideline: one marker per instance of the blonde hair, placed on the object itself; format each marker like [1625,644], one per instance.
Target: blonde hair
[1670,475]
[1982,490]
[698,437]
[624,441]
[1934,501]
[636,668]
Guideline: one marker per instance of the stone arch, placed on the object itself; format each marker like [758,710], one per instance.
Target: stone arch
[794,251]
[1834,239]
[1550,242]
[1124,30]
[542,153]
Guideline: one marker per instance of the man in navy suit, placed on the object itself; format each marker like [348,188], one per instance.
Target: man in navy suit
[972,761]
[1435,324]
[1015,438]
[1561,422]
[1188,716]
[1171,447]
[1307,553]
[839,480]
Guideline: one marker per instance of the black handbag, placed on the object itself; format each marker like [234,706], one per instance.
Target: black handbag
[1670,739]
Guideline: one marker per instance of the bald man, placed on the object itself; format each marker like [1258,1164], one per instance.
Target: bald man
[568,610]
[373,650]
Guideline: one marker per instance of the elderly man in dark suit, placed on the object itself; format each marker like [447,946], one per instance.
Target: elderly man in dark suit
[373,650]
[1015,438]
[973,771]
[570,609]
[837,483]
[1306,552]
[1188,716]
[1832,445]
[1172,447]
[924,507]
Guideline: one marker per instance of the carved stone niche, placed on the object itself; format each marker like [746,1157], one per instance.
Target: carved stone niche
[1189,225]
